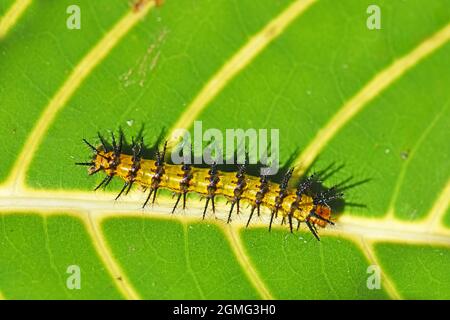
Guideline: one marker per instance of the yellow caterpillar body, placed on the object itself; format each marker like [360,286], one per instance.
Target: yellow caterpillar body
[288,203]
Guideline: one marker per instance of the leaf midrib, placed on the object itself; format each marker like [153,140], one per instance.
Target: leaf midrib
[103,205]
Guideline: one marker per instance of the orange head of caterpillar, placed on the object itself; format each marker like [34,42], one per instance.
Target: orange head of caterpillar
[321,216]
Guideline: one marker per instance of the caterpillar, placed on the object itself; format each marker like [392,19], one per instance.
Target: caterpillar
[299,204]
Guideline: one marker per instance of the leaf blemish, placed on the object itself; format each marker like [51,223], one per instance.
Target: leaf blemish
[147,63]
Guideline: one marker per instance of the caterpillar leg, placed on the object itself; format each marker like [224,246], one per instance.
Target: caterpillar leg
[250,217]
[290,222]
[152,191]
[126,185]
[274,212]
[176,203]
[231,211]
[313,229]
[104,182]
[209,198]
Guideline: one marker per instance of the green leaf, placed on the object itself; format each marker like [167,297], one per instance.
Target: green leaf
[370,105]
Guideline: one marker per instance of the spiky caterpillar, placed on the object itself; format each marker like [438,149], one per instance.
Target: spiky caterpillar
[290,204]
